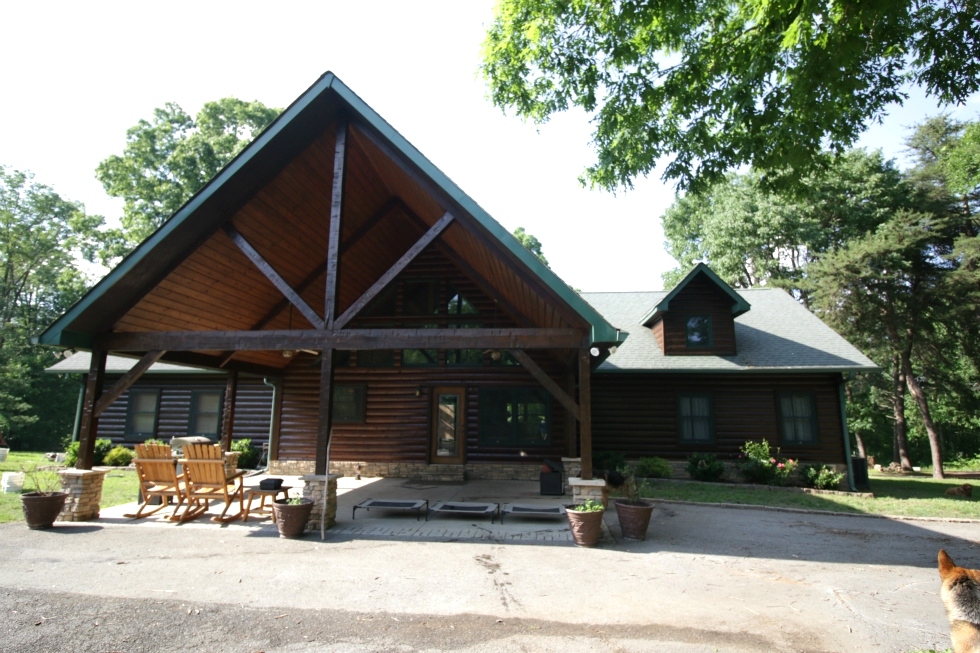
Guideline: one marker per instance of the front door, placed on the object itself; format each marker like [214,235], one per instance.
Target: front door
[448,426]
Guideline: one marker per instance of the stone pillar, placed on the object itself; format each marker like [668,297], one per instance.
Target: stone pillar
[313,489]
[594,488]
[84,488]
[573,468]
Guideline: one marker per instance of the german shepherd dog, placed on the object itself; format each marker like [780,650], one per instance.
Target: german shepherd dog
[961,596]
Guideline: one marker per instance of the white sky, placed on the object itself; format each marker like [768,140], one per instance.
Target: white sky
[78,74]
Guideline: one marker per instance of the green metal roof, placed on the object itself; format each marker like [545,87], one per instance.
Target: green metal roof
[207,209]
[739,305]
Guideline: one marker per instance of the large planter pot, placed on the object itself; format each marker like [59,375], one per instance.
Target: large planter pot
[634,519]
[291,519]
[42,509]
[585,526]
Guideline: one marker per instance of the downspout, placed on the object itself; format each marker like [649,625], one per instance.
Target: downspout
[326,493]
[272,416]
[78,413]
[844,431]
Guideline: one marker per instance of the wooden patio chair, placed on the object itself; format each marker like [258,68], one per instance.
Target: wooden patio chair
[156,470]
[206,480]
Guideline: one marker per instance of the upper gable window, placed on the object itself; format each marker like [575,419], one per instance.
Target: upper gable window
[698,331]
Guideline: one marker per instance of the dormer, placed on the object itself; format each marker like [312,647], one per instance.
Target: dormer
[697,317]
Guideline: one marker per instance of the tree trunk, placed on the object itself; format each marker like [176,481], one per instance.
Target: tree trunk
[923,403]
[898,408]
[858,440]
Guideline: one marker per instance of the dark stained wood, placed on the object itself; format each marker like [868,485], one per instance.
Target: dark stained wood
[228,410]
[325,416]
[394,270]
[699,297]
[336,211]
[89,426]
[273,276]
[503,338]
[128,379]
[556,391]
[585,414]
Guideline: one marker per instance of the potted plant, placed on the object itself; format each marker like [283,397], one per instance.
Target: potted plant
[292,515]
[632,510]
[585,521]
[44,503]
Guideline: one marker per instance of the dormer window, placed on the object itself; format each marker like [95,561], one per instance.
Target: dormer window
[699,332]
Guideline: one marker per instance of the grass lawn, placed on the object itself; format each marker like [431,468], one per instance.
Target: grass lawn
[120,485]
[916,495]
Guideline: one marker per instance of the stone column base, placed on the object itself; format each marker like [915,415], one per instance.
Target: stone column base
[313,489]
[592,489]
[84,488]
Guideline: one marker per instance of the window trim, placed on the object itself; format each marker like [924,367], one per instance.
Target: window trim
[193,411]
[682,418]
[710,341]
[813,420]
[128,431]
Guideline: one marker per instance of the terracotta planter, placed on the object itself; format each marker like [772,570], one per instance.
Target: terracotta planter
[634,519]
[585,526]
[291,519]
[41,510]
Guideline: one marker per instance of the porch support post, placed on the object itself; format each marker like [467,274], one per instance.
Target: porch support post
[127,380]
[585,412]
[228,410]
[90,420]
[326,410]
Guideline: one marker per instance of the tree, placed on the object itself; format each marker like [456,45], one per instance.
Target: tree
[530,243]
[716,84]
[170,158]
[41,236]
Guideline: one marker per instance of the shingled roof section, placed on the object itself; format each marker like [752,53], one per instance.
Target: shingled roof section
[778,334]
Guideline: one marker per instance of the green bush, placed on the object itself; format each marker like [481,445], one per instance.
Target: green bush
[705,467]
[757,464]
[821,477]
[102,447]
[118,457]
[248,454]
[652,468]
[609,460]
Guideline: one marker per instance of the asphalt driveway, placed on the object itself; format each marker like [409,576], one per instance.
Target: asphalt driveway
[706,579]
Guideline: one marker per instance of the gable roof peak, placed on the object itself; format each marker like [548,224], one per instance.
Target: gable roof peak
[739,305]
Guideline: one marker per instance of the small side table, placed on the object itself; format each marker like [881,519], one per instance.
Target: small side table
[252,492]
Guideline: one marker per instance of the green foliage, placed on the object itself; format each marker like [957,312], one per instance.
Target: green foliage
[170,158]
[590,505]
[102,447]
[821,477]
[705,467]
[758,464]
[118,457]
[712,86]
[652,468]
[608,460]
[248,454]
[530,243]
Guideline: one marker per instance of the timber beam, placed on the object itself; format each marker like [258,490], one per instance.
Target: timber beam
[270,340]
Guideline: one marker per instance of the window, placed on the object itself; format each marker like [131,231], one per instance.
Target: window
[698,331]
[141,413]
[375,358]
[695,423]
[797,418]
[515,416]
[348,404]
[205,417]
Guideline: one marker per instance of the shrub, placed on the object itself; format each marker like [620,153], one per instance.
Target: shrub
[118,457]
[652,468]
[248,454]
[757,464]
[821,477]
[609,460]
[102,447]
[705,467]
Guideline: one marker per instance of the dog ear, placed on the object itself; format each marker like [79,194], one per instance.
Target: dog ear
[946,564]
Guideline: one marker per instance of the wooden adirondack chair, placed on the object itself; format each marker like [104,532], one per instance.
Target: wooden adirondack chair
[157,473]
[206,480]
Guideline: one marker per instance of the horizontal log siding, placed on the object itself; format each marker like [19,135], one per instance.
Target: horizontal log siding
[253,408]
[636,414]
[397,423]
[700,297]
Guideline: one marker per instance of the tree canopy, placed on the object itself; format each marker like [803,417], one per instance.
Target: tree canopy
[169,158]
[710,85]
[531,243]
